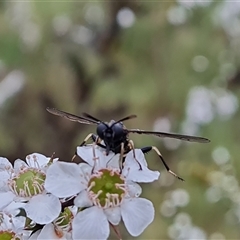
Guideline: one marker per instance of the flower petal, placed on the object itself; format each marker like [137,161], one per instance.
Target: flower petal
[139,156]
[64,179]
[37,160]
[82,200]
[132,171]
[6,199]
[134,190]
[145,175]
[137,214]
[86,170]
[18,223]
[19,165]
[6,171]
[86,153]
[113,163]
[4,178]
[105,160]
[90,223]
[12,224]
[5,164]
[35,235]
[48,232]
[113,215]
[14,208]
[43,208]
[94,156]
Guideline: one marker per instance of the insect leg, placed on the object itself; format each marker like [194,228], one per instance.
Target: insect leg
[95,158]
[148,149]
[121,160]
[97,140]
[131,146]
[86,139]
[90,135]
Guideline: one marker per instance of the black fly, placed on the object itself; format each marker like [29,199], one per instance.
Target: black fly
[115,135]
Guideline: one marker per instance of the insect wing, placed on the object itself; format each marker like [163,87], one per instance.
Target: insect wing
[71,117]
[171,135]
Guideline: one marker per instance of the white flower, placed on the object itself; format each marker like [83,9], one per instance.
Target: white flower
[107,192]
[59,229]
[134,169]
[25,183]
[50,231]
[12,227]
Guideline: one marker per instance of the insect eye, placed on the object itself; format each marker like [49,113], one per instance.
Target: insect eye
[117,130]
[101,128]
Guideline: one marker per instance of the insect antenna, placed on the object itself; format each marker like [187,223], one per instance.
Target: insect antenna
[125,118]
[86,115]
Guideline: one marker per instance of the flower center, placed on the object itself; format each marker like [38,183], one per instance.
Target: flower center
[106,188]
[28,183]
[4,235]
[64,220]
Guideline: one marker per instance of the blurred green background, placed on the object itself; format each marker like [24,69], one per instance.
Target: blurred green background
[174,64]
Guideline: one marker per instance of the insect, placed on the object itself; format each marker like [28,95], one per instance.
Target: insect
[115,135]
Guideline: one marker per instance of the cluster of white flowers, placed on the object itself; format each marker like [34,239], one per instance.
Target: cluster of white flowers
[43,198]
